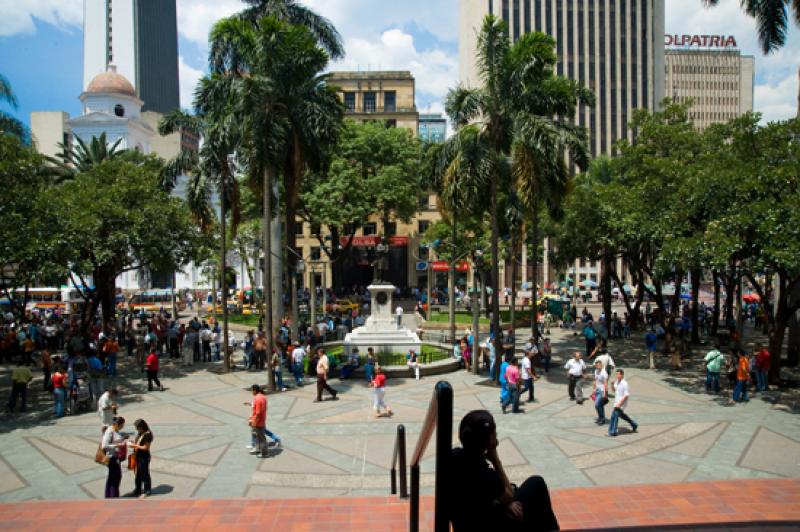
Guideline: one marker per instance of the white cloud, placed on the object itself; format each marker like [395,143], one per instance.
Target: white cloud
[16,17]
[189,77]
[778,101]
[196,17]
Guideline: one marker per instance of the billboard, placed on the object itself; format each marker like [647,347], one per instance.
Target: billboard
[701,41]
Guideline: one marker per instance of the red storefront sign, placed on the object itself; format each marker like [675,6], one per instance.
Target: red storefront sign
[370,241]
[444,266]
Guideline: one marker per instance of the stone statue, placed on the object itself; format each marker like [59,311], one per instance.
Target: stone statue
[381,263]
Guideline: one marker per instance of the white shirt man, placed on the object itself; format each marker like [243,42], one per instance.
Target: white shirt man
[606,360]
[106,408]
[620,403]
[525,368]
[575,369]
[298,355]
[399,313]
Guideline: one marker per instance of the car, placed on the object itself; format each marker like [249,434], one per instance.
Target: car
[341,305]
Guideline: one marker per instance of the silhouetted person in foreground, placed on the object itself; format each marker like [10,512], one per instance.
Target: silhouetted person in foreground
[480,497]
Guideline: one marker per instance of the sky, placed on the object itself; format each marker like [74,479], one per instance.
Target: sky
[41,47]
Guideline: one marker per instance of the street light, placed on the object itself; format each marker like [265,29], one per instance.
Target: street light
[477,263]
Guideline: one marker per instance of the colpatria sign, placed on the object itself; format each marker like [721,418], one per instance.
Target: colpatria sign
[701,41]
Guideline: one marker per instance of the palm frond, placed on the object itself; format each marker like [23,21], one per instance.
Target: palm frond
[463,105]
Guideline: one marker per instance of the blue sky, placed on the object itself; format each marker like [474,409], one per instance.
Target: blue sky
[41,46]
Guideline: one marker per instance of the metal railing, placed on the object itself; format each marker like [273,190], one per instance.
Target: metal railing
[400,453]
[439,417]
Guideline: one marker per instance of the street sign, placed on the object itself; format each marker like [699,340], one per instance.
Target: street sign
[422,266]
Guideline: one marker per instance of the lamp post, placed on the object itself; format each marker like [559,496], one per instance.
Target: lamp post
[313,300]
[300,268]
[477,263]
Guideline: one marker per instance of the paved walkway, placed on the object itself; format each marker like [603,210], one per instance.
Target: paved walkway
[765,505]
[339,449]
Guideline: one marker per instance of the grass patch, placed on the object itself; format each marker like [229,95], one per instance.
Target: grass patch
[429,354]
[462,318]
[248,320]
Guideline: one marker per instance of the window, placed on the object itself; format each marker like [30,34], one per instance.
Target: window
[390,123]
[369,102]
[422,252]
[315,228]
[370,228]
[594,277]
[583,263]
[390,101]
[298,228]
[348,229]
[390,229]
[315,253]
[119,110]
[350,101]
[422,226]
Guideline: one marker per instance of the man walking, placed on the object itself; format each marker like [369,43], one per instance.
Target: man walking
[107,408]
[20,378]
[259,351]
[621,395]
[398,312]
[258,421]
[575,368]
[298,357]
[590,335]
[528,374]
[600,392]
[323,366]
[713,362]
[151,365]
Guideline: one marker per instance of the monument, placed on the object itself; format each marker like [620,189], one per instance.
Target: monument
[380,330]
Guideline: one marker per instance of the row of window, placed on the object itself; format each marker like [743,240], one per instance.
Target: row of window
[706,85]
[702,69]
[370,228]
[708,100]
[369,101]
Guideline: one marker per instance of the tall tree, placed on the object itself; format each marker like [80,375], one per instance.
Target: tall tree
[81,156]
[9,124]
[514,108]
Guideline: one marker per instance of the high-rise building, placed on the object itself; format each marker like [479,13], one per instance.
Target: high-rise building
[614,47]
[378,95]
[432,127]
[711,72]
[140,37]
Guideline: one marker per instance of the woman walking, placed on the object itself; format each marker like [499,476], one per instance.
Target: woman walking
[379,383]
[141,446]
[59,382]
[151,365]
[115,447]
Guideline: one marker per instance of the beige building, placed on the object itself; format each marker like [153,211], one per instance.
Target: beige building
[379,95]
[387,96]
[718,81]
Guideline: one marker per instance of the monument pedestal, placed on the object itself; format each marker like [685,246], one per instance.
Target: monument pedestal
[380,330]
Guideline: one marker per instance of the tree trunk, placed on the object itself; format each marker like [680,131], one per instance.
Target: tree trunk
[512,309]
[715,317]
[605,283]
[104,282]
[451,287]
[696,273]
[498,336]
[223,259]
[268,296]
[535,274]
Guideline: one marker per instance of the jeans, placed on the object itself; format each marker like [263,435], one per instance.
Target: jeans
[712,381]
[96,387]
[142,480]
[261,439]
[206,351]
[740,391]
[369,372]
[297,367]
[528,387]
[546,363]
[615,415]
[278,378]
[761,380]
[512,398]
[113,479]
[599,406]
[196,350]
[59,395]
[590,345]
[112,364]
[268,433]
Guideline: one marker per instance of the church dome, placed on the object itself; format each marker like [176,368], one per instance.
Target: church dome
[110,81]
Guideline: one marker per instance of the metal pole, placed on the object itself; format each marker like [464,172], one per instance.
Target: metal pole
[451,287]
[430,284]
[269,304]
[444,445]
[224,267]
[476,302]
[313,303]
[413,517]
[324,290]
[401,440]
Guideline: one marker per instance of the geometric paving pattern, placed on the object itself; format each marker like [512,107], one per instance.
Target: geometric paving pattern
[338,448]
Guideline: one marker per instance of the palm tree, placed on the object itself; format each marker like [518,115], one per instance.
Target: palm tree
[211,167]
[314,112]
[266,63]
[517,119]
[9,124]
[82,156]
[772,20]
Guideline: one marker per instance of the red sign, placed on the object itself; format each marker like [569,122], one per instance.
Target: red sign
[370,241]
[444,266]
[701,41]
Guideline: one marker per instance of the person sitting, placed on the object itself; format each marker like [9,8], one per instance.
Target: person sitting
[353,361]
[494,503]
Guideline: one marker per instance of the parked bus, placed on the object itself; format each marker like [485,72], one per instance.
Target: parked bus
[153,301]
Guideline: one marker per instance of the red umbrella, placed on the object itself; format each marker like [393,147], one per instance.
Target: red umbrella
[751,298]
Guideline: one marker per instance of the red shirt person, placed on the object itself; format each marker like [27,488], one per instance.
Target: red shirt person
[151,365]
[258,420]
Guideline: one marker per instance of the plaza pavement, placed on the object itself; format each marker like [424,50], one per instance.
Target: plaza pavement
[335,449]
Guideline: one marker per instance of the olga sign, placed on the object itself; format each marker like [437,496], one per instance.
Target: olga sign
[701,41]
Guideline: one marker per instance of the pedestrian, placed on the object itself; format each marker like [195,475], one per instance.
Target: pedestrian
[298,358]
[115,448]
[600,393]
[205,340]
[742,378]
[601,353]
[621,396]
[20,378]
[59,389]
[323,367]
[110,349]
[369,365]
[412,361]
[379,384]
[107,408]
[96,372]
[258,421]
[713,361]
[504,392]
[398,312]
[762,368]
[151,365]
[47,366]
[254,449]
[172,341]
[590,336]
[650,343]
[276,362]
[479,495]
[141,453]
[513,385]
[575,369]
[528,375]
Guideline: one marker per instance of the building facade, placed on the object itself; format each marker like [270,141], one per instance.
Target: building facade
[378,95]
[140,37]
[432,127]
[613,47]
[717,78]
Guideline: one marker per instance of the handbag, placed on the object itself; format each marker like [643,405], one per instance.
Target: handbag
[132,462]
[101,457]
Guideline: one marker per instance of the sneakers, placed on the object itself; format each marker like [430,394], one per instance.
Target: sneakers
[255,451]
[335,397]
[249,447]
[634,428]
